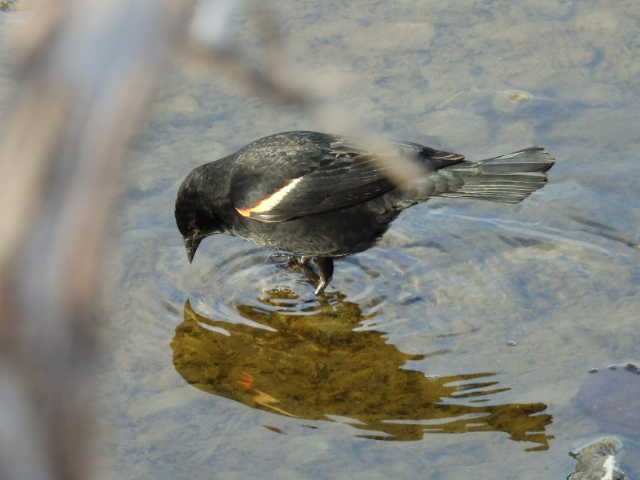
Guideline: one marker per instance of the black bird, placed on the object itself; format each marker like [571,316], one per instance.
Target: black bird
[318,196]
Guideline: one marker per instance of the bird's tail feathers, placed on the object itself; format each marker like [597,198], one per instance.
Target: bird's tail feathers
[507,178]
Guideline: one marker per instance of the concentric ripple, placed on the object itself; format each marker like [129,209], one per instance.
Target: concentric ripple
[248,275]
[376,349]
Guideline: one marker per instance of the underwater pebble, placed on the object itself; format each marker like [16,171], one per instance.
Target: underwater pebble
[510,100]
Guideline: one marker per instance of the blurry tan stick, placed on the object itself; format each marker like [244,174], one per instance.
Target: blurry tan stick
[85,71]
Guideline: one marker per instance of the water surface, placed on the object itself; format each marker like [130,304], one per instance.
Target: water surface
[452,350]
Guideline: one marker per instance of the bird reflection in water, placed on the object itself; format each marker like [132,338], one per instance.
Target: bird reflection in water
[316,366]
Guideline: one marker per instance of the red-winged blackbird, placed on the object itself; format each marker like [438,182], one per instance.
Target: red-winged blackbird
[318,196]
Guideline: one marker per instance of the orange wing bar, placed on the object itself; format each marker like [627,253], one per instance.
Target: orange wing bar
[271,201]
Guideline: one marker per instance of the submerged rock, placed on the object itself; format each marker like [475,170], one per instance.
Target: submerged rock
[597,461]
[610,396]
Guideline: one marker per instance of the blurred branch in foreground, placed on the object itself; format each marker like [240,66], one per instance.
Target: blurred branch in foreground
[85,70]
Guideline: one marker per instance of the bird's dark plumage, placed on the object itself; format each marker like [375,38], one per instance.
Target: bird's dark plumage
[318,195]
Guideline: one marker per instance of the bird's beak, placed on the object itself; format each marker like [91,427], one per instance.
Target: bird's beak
[191,245]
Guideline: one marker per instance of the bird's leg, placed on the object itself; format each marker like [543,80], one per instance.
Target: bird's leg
[303,263]
[325,271]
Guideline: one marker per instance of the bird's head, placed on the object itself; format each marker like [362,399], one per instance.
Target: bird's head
[195,214]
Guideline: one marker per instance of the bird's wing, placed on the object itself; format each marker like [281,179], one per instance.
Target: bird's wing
[275,180]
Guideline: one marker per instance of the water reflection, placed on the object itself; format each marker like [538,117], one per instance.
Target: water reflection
[316,366]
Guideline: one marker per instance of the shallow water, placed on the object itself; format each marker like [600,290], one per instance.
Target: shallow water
[456,347]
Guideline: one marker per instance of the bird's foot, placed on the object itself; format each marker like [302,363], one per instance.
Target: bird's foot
[325,267]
